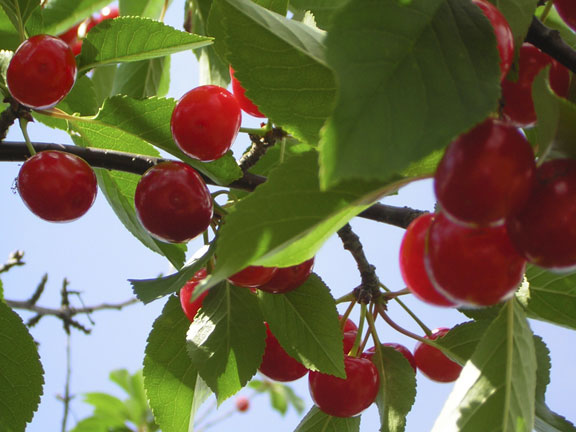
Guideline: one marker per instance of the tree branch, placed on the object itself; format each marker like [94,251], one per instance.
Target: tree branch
[67,311]
[550,42]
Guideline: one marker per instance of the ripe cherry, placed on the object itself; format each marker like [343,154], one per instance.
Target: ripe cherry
[412,266]
[242,403]
[277,364]
[348,339]
[71,35]
[41,72]
[472,266]
[485,175]
[567,11]
[369,354]
[205,122]
[349,325]
[544,230]
[346,397]
[433,363]
[240,94]
[253,276]
[173,202]
[57,186]
[288,278]
[191,308]
[503,33]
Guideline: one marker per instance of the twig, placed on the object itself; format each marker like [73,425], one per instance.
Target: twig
[260,144]
[550,42]
[67,398]
[14,260]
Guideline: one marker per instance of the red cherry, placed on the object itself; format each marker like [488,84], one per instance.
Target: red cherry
[412,262]
[242,403]
[346,397]
[277,364]
[253,276]
[503,33]
[485,174]
[348,339]
[433,363]
[545,230]
[41,72]
[369,354]
[288,278]
[57,186]
[109,12]
[205,122]
[240,94]
[567,11]
[472,266]
[173,202]
[191,308]
[349,325]
[70,36]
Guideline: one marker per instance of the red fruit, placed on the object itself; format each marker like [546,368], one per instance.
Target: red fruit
[109,12]
[349,325]
[70,36]
[191,308]
[412,266]
[346,397]
[472,266]
[485,175]
[288,278]
[368,354]
[57,186]
[277,364]
[240,94]
[173,202]
[348,340]
[242,403]
[253,276]
[567,10]
[544,231]
[205,122]
[503,33]
[41,72]
[433,363]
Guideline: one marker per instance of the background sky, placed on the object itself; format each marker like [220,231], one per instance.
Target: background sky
[98,255]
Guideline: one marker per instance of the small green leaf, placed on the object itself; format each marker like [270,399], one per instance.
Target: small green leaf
[98,424]
[128,39]
[317,421]
[143,79]
[108,406]
[21,372]
[496,389]
[226,339]
[19,11]
[169,377]
[305,322]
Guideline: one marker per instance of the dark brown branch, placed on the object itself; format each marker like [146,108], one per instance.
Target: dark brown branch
[550,41]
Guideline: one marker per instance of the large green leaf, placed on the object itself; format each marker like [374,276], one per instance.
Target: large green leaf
[19,11]
[518,14]
[463,339]
[278,6]
[317,421]
[60,15]
[9,38]
[305,322]
[226,339]
[128,39]
[108,407]
[323,10]
[169,377]
[429,73]
[281,64]
[496,389]
[145,8]
[21,372]
[143,79]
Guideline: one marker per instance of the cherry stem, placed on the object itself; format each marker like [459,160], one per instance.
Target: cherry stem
[423,326]
[373,331]
[346,298]
[382,311]
[348,310]
[24,128]
[355,348]
[164,9]
[370,318]
[254,131]
[546,11]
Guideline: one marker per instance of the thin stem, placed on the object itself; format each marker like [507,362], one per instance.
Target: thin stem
[164,9]
[385,317]
[355,349]
[423,326]
[348,312]
[24,128]
[373,331]
[546,11]
[254,131]
[67,398]
[346,298]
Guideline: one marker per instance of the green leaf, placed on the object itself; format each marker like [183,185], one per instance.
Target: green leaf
[18,11]
[463,339]
[323,10]
[169,377]
[21,372]
[496,389]
[397,389]
[143,79]
[108,406]
[81,99]
[60,15]
[317,421]
[281,64]
[148,290]
[554,21]
[550,297]
[565,139]
[5,57]
[305,322]
[281,395]
[518,14]
[9,38]
[144,8]
[415,94]
[546,420]
[103,79]
[226,340]
[128,39]
[137,404]
[278,6]
[99,424]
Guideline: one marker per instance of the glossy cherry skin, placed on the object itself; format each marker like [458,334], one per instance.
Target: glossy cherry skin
[71,35]
[412,266]
[348,340]
[485,175]
[277,364]
[173,202]
[433,363]
[544,231]
[191,308]
[472,266]
[369,353]
[242,403]
[42,72]
[57,186]
[567,10]
[240,94]
[288,278]
[503,33]
[346,397]
[349,325]
[205,122]
[253,276]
